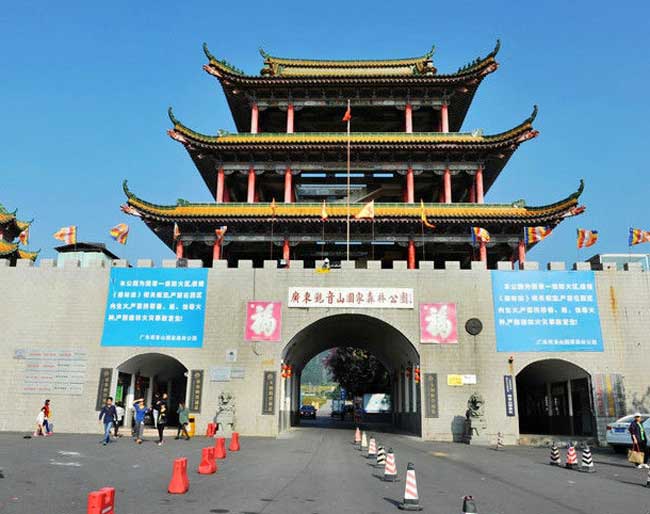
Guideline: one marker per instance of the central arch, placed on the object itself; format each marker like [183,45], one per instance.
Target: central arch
[392,348]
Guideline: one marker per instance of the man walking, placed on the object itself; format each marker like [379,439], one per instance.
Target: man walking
[139,410]
[108,414]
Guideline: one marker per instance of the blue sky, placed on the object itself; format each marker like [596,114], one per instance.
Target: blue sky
[85,88]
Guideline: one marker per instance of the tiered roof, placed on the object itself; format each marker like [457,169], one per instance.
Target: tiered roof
[11,228]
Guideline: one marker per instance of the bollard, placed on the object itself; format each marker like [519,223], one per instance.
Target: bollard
[220,447]
[179,484]
[234,442]
[102,501]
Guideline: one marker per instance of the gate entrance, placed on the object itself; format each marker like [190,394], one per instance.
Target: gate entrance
[385,342]
[554,398]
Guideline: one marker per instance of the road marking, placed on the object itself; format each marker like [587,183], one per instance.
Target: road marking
[57,463]
[439,454]
[71,454]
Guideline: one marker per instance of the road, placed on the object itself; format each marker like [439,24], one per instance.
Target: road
[312,469]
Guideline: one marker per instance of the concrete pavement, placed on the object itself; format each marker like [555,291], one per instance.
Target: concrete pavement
[308,470]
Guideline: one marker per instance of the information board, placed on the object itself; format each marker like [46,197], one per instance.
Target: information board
[196,390]
[155,307]
[268,393]
[430,395]
[347,297]
[546,311]
[50,371]
[509,392]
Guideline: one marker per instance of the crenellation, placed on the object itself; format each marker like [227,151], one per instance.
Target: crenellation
[633,266]
[530,266]
[426,265]
[47,263]
[400,265]
[556,266]
[24,263]
[452,265]
[504,266]
[478,265]
[582,266]
[144,263]
[120,263]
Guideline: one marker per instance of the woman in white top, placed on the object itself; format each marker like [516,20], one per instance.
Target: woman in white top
[40,421]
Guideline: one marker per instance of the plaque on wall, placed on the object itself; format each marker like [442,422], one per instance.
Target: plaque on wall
[196,390]
[104,387]
[268,393]
[430,395]
[509,391]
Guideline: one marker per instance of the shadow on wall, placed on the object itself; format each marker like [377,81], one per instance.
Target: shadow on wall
[641,404]
[458,429]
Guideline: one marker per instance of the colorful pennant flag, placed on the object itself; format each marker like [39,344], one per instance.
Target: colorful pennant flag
[587,238]
[535,234]
[23,237]
[368,211]
[67,234]
[348,113]
[120,233]
[221,232]
[638,236]
[177,231]
[273,207]
[480,235]
[323,212]
[423,216]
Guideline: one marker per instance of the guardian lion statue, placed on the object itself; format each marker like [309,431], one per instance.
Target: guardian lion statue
[225,416]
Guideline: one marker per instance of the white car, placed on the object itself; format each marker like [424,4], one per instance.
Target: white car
[618,436]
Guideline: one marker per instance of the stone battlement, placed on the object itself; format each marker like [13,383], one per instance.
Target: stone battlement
[299,265]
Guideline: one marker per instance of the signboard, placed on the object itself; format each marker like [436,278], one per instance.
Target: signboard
[378,403]
[51,371]
[237,373]
[196,390]
[263,321]
[438,323]
[268,393]
[609,394]
[351,297]
[546,311]
[104,387]
[155,307]
[509,391]
[220,374]
[461,380]
[430,395]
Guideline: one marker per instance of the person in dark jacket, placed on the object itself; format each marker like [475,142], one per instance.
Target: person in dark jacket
[162,422]
[640,439]
[108,414]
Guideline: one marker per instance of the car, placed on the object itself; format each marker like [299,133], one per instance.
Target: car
[308,411]
[617,435]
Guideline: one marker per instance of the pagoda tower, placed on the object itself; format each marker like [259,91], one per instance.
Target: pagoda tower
[282,183]
[10,230]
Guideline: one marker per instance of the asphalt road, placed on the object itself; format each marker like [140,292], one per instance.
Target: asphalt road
[308,470]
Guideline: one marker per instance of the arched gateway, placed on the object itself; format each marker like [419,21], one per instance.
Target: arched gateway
[381,339]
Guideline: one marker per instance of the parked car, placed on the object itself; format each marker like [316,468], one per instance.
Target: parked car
[617,434]
[308,411]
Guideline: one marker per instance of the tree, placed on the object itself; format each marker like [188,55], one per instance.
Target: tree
[357,370]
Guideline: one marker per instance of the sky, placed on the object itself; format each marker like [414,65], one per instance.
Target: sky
[85,86]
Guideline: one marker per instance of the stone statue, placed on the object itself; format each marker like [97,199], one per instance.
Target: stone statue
[475,423]
[225,416]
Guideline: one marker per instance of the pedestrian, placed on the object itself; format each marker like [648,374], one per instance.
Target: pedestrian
[640,439]
[119,408]
[40,423]
[155,407]
[139,411]
[183,421]
[48,413]
[162,422]
[108,415]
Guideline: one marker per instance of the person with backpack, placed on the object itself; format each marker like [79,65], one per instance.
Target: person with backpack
[108,415]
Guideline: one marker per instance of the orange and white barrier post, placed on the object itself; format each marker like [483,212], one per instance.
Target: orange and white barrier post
[390,468]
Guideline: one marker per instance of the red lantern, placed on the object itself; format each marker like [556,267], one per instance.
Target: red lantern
[417,374]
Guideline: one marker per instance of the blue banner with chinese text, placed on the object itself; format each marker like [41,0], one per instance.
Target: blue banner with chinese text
[546,311]
[155,307]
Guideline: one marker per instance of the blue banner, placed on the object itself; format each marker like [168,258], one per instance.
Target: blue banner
[155,307]
[546,311]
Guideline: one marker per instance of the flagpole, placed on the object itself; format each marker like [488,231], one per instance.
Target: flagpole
[348,190]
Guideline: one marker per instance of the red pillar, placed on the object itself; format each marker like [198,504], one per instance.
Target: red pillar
[220,185]
[286,251]
[522,253]
[472,193]
[179,249]
[411,254]
[287,186]
[251,186]
[444,118]
[447,185]
[410,186]
[482,249]
[216,250]
[290,113]
[255,114]
[408,114]
[479,185]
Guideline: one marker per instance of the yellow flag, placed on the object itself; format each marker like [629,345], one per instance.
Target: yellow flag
[368,211]
[323,212]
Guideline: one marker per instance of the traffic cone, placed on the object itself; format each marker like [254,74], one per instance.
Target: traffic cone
[381,456]
[179,484]
[556,460]
[372,449]
[364,441]
[469,507]
[587,464]
[102,501]
[411,498]
[357,436]
[208,465]
[212,427]
[571,457]
[220,447]
[499,445]
[390,469]
[234,442]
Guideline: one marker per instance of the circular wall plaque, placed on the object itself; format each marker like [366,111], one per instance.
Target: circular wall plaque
[474,326]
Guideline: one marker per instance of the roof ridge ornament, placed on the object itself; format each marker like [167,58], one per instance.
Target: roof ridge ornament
[497,47]
[125,188]
[263,53]
[170,113]
[533,115]
[207,53]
